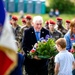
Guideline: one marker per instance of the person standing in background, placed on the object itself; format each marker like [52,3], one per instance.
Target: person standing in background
[67,24]
[16,29]
[60,27]
[55,34]
[57,13]
[47,25]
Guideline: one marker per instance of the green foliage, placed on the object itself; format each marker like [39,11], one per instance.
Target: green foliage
[64,6]
[46,49]
[47,9]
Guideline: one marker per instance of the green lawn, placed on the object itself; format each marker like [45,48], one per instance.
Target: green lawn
[46,17]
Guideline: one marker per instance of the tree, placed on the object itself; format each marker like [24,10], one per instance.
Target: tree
[64,6]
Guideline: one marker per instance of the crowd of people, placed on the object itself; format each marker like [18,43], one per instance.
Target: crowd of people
[31,30]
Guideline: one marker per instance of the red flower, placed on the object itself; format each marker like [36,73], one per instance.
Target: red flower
[32,51]
[72,51]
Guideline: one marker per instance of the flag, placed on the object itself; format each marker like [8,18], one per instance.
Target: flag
[8,48]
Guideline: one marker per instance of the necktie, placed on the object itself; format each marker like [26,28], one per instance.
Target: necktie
[38,35]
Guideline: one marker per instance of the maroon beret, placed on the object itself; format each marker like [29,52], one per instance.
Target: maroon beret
[67,21]
[52,22]
[15,18]
[47,22]
[28,17]
[59,18]
[23,20]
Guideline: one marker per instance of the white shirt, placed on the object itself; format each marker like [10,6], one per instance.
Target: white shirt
[65,59]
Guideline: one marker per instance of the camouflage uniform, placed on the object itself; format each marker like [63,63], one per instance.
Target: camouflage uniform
[18,34]
[63,30]
[56,35]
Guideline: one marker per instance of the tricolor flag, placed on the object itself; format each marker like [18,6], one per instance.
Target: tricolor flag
[8,48]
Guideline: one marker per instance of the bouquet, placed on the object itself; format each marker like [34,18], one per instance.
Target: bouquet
[73,49]
[45,48]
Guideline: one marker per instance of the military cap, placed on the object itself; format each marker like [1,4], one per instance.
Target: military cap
[52,22]
[23,20]
[15,18]
[59,18]
[67,21]
[47,22]
[28,17]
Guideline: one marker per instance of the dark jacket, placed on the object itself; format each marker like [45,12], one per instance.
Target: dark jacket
[28,41]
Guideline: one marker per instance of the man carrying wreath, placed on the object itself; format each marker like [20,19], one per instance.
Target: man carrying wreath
[35,66]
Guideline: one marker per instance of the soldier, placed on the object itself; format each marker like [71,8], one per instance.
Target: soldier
[60,27]
[47,25]
[23,25]
[56,35]
[23,22]
[53,32]
[28,20]
[16,29]
[67,24]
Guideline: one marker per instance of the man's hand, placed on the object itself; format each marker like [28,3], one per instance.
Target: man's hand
[36,57]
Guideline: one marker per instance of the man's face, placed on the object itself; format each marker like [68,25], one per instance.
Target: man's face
[51,27]
[14,22]
[28,21]
[67,25]
[59,22]
[37,25]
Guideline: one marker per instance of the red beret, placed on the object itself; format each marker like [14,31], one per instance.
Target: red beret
[23,20]
[14,18]
[52,22]
[47,22]
[28,17]
[67,21]
[59,18]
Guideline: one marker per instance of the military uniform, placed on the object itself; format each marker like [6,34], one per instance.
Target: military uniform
[56,35]
[18,34]
[60,26]
[62,30]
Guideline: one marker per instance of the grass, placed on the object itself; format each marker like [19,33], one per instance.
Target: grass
[46,17]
